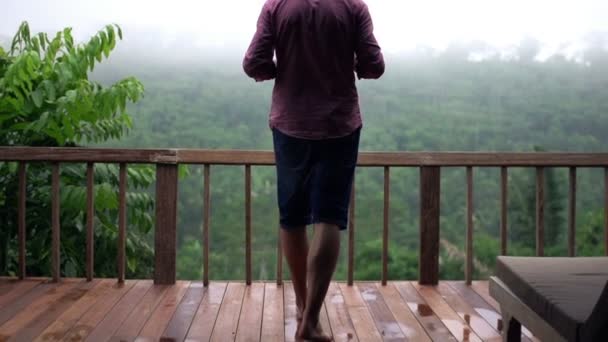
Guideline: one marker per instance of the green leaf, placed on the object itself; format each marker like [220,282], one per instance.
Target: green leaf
[37,97]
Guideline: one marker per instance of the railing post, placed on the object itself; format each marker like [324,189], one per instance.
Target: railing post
[572,214]
[90,249]
[540,211]
[22,222]
[166,224]
[387,199]
[206,223]
[468,269]
[430,190]
[122,223]
[504,205]
[248,224]
[56,223]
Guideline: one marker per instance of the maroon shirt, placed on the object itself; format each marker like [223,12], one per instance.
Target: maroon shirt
[319,46]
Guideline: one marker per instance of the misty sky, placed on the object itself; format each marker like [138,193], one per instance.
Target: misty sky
[400,24]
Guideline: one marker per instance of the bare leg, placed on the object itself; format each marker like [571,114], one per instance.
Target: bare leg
[322,260]
[295,249]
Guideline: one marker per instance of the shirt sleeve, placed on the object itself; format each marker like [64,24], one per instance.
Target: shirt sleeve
[258,63]
[369,58]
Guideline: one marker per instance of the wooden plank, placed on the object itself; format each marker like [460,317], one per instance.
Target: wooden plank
[383,317]
[13,290]
[250,322]
[290,309]
[206,315]
[504,204]
[178,326]
[96,314]
[120,312]
[60,327]
[96,155]
[430,192]
[158,321]
[27,314]
[572,214]
[206,223]
[481,287]
[456,325]
[481,307]
[272,320]
[410,327]
[433,326]
[122,222]
[540,211]
[90,249]
[21,219]
[17,306]
[165,243]
[337,312]
[242,157]
[248,224]
[131,327]
[228,317]
[479,325]
[56,225]
[387,198]
[53,311]
[468,267]
[184,314]
[351,235]
[360,316]
[324,321]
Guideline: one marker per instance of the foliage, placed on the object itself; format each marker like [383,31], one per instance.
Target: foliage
[47,99]
[429,101]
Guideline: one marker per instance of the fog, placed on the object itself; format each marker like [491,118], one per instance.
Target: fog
[225,27]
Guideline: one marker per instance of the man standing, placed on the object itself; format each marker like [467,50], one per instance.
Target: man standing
[316,123]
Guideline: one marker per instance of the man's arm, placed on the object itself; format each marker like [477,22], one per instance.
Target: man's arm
[258,63]
[369,62]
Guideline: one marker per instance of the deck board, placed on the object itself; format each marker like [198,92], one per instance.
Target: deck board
[230,311]
[158,321]
[21,319]
[53,311]
[87,323]
[272,320]
[206,315]
[103,310]
[178,327]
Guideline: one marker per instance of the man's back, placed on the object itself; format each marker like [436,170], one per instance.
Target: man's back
[315,42]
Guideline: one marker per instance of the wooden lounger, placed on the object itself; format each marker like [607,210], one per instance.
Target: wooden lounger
[558,299]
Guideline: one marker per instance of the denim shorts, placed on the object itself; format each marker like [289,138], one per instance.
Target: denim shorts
[314,179]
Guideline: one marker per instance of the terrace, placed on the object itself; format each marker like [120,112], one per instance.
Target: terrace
[249,310]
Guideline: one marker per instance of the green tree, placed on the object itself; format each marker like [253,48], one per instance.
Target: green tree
[47,99]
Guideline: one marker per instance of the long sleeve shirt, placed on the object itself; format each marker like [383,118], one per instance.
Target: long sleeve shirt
[319,46]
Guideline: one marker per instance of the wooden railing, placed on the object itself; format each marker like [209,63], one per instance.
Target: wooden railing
[167,161]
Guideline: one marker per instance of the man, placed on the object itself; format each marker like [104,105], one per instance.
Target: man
[316,122]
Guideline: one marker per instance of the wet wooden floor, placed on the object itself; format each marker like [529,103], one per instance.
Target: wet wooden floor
[102,310]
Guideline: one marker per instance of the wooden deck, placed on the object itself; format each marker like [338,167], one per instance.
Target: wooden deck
[101,310]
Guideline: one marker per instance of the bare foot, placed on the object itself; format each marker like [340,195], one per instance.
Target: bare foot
[308,332]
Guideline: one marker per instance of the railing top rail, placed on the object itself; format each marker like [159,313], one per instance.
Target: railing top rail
[244,157]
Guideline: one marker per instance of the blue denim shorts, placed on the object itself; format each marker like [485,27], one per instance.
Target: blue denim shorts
[315,179]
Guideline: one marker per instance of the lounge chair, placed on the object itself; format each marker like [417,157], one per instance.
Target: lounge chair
[557,299]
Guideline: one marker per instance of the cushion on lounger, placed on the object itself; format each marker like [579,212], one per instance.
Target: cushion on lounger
[571,294]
